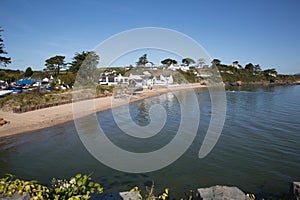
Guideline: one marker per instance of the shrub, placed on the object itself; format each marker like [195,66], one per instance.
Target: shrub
[78,187]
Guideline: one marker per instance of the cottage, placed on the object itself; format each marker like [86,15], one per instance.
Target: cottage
[143,80]
[113,80]
[164,80]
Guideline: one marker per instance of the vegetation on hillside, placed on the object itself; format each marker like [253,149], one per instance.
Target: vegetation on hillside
[252,74]
[37,98]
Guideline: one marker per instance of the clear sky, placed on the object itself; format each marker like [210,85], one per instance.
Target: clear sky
[265,32]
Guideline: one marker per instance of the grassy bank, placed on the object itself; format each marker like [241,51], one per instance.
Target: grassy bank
[37,98]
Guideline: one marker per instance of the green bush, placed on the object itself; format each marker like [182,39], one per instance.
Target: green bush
[78,187]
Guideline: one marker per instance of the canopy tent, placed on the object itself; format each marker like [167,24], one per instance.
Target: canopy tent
[25,82]
[45,80]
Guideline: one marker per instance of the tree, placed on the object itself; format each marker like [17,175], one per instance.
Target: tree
[55,64]
[270,72]
[187,61]
[250,67]
[3,60]
[28,72]
[88,68]
[168,61]
[142,60]
[216,62]
[201,61]
[77,61]
[257,68]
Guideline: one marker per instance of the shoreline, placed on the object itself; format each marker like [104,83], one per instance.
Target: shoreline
[22,123]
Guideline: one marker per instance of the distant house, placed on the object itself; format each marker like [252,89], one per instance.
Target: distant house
[164,80]
[149,64]
[143,80]
[236,65]
[184,68]
[174,67]
[113,80]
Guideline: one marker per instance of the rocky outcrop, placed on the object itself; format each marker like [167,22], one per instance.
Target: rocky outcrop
[296,190]
[221,192]
[116,196]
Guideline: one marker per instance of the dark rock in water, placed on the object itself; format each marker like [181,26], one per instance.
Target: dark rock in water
[296,190]
[221,192]
[3,122]
[15,196]
[116,196]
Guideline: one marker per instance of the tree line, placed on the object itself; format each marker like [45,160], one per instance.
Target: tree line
[168,61]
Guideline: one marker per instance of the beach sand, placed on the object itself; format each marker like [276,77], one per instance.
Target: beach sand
[47,117]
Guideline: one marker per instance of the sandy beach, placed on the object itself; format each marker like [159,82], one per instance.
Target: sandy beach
[47,117]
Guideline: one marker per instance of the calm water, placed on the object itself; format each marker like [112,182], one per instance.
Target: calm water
[258,151]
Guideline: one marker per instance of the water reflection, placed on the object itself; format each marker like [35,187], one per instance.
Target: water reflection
[258,150]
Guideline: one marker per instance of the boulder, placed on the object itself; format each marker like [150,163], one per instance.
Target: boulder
[116,196]
[221,193]
[296,190]
[3,122]
[15,196]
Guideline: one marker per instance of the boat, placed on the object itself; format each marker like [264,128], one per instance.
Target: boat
[3,93]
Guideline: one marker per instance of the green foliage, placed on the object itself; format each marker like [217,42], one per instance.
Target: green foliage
[142,60]
[79,59]
[118,70]
[68,78]
[32,98]
[151,193]
[78,187]
[3,60]
[10,75]
[168,61]
[88,73]
[250,74]
[188,61]
[9,186]
[189,76]
[55,64]
[216,62]
[103,89]
[28,72]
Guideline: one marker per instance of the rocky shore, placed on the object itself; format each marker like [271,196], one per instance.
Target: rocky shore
[261,83]
[210,193]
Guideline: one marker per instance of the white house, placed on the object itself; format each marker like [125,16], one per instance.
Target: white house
[113,80]
[174,67]
[164,80]
[143,80]
[149,64]
[236,65]
[184,68]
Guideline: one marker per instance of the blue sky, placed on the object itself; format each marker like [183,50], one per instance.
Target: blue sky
[264,32]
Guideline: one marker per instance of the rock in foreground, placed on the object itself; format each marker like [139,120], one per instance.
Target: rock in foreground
[116,196]
[222,193]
